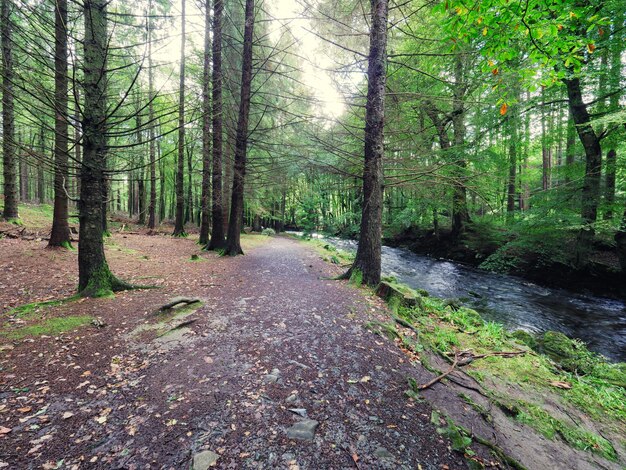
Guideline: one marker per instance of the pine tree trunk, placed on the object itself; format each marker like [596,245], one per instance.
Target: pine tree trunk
[179,222]
[513,128]
[60,234]
[94,276]
[609,189]
[189,198]
[9,159]
[206,131]
[614,82]
[140,173]
[152,150]
[460,214]
[368,256]
[217,215]
[77,140]
[233,242]
[24,196]
[41,176]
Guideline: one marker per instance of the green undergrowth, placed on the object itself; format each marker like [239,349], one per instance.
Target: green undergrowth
[553,369]
[34,216]
[329,252]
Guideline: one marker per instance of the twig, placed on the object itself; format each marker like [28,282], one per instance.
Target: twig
[438,378]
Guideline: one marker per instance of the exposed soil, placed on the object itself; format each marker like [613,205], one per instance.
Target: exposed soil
[273,342]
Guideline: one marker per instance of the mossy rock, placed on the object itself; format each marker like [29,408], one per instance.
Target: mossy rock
[570,354]
[398,296]
[525,337]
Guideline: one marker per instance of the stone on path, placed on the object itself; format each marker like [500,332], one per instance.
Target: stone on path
[298,411]
[272,377]
[383,454]
[303,430]
[205,459]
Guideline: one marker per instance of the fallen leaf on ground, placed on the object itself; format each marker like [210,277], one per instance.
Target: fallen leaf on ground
[4,430]
[67,415]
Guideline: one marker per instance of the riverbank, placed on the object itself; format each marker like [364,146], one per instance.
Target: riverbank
[545,399]
[549,383]
[512,301]
[549,268]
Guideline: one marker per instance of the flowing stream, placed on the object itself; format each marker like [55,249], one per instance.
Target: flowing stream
[512,301]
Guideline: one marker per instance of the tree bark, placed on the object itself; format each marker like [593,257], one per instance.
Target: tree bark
[620,240]
[60,234]
[24,194]
[140,173]
[612,141]
[217,215]
[179,222]
[368,256]
[206,131]
[9,160]
[152,150]
[41,175]
[460,214]
[94,277]
[593,168]
[233,242]
[609,189]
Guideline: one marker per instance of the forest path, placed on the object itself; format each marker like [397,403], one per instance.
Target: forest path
[277,336]
[273,335]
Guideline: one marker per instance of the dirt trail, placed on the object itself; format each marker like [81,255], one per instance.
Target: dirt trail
[273,335]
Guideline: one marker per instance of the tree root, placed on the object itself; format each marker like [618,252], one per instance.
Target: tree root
[463,358]
[178,327]
[406,324]
[177,301]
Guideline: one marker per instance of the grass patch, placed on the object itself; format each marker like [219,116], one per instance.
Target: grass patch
[329,252]
[51,326]
[550,427]
[250,241]
[34,216]
[29,310]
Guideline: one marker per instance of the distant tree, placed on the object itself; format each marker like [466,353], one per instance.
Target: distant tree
[217,217]
[179,222]
[151,124]
[233,242]
[206,130]
[60,234]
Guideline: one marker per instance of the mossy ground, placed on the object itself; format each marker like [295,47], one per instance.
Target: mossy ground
[49,326]
[525,385]
[34,216]
[329,252]
[33,321]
